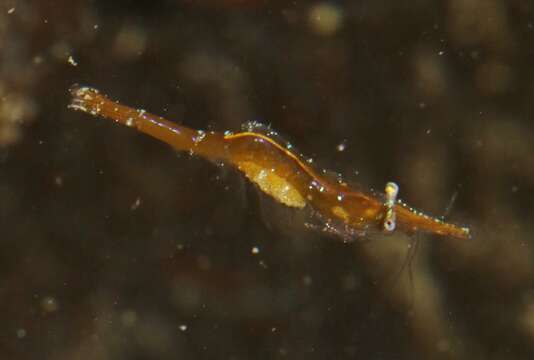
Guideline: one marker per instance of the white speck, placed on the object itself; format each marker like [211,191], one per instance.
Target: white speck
[183,327]
[71,61]
[422,105]
[129,122]
[95,26]
[21,333]
[255,250]
[273,329]
[261,175]
[38,60]
[58,180]
[428,131]
[310,160]
[11,11]
[49,304]
[339,197]
[341,147]
[136,204]
[441,53]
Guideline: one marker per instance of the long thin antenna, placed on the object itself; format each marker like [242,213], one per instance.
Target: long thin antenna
[450,205]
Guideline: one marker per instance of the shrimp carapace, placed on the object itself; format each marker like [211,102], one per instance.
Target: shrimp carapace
[277,170]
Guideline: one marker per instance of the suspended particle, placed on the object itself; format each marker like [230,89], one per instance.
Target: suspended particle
[136,204]
[21,333]
[71,61]
[325,18]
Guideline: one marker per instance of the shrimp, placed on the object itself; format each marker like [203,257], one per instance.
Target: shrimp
[286,176]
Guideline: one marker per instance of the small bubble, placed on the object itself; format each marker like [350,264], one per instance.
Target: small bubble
[183,327]
[341,146]
[255,250]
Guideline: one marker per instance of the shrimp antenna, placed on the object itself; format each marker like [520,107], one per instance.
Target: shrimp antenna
[450,205]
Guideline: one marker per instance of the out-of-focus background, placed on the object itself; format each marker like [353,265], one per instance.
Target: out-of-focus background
[113,246]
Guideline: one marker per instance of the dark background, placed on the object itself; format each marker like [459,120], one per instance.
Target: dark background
[113,246]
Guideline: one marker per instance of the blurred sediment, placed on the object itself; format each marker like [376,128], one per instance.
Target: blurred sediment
[115,247]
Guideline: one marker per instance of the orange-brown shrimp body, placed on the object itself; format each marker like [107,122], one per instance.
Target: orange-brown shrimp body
[277,170]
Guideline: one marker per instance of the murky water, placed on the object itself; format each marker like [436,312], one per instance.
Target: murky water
[116,247]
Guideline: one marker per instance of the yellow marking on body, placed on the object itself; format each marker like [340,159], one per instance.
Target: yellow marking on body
[272,184]
[340,213]
[299,162]
[369,213]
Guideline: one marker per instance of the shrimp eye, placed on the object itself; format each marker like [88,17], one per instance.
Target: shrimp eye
[389,225]
[392,190]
